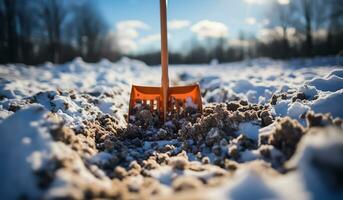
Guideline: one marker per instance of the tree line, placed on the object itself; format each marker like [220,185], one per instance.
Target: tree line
[302,28]
[36,31]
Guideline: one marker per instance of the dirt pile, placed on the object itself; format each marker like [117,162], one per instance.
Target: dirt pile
[285,136]
[190,152]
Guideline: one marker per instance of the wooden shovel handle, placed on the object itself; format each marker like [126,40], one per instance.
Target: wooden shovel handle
[164,55]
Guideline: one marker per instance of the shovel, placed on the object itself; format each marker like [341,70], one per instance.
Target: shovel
[165,99]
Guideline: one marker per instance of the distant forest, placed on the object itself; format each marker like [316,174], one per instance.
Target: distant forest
[36,31]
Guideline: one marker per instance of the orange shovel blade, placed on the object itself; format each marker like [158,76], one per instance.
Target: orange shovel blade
[178,98]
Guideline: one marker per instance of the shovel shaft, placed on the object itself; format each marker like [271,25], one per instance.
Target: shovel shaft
[164,55]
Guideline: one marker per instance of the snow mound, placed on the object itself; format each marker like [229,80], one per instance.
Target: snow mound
[251,185]
[331,103]
[253,91]
[245,184]
[23,149]
[319,162]
[331,83]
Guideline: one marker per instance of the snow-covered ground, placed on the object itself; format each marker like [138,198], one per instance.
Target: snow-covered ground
[48,149]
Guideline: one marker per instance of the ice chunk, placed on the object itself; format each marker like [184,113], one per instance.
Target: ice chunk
[309,91]
[281,107]
[297,109]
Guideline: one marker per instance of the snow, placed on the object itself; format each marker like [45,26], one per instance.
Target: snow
[336,72]
[331,103]
[253,91]
[27,148]
[309,91]
[296,110]
[320,147]
[281,108]
[210,82]
[4,114]
[78,91]
[249,155]
[23,149]
[251,185]
[331,83]
[265,131]
[246,184]
[104,78]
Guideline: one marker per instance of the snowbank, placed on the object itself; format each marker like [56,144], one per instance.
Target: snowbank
[25,146]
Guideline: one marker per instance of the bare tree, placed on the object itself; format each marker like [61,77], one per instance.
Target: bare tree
[309,16]
[281,16]
[27,23]
[335,26]
[53,14]
[10,26]
[336,15]
[91,30]
[2,31]
[110,47]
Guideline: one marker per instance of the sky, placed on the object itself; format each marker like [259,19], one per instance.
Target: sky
[136,22]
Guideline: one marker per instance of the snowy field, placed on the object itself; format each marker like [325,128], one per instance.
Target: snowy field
[270,130]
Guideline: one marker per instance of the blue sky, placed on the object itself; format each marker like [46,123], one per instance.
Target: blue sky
[137,21]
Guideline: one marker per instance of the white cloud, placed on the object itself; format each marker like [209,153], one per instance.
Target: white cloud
[210,29]
[254,22]
[131,24]
[262,2]
[250,21]
[127,46]
[150,39]
[283,2]
[265,22]
[258,2]
[178,24]
[127,33]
